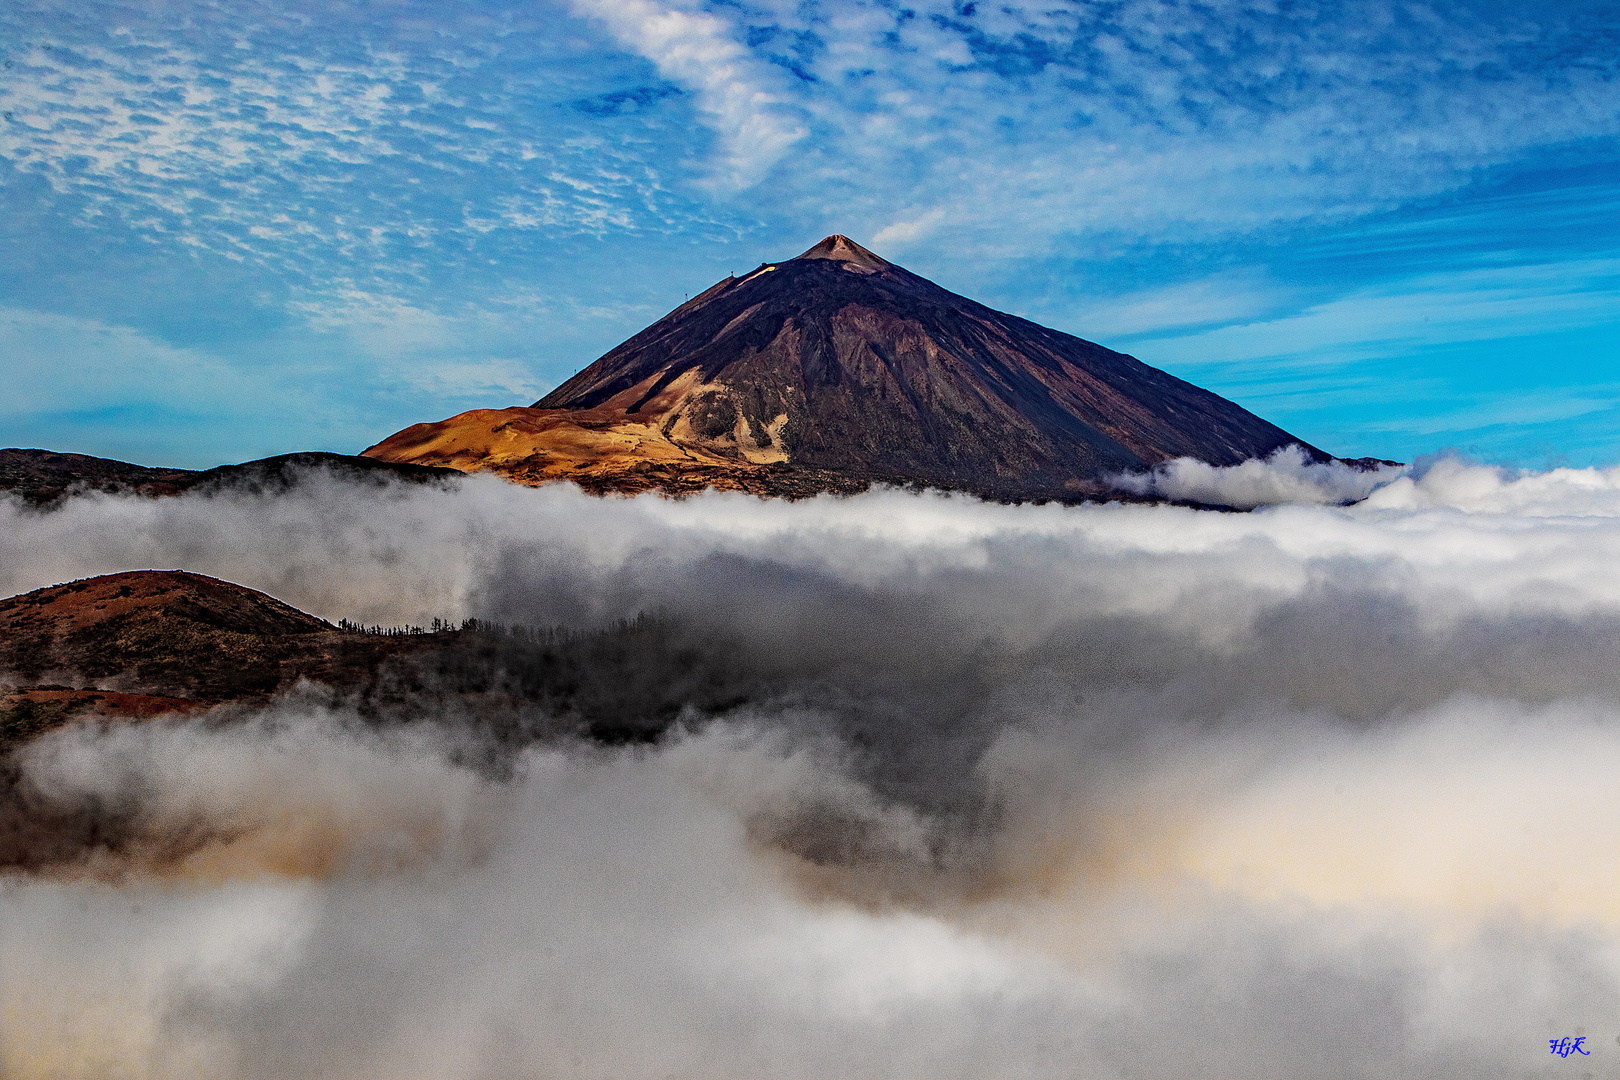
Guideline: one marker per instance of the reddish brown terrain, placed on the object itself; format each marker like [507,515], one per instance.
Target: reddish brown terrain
[838,369]
[143,643]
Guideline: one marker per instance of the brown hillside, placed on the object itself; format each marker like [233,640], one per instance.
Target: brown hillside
[163,632]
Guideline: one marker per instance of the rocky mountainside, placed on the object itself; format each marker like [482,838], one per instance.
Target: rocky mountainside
[838,369]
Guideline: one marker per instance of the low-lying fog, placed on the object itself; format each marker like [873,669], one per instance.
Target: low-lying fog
[1115,791]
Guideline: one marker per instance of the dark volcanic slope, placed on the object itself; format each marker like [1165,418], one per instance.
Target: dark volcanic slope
[839,360]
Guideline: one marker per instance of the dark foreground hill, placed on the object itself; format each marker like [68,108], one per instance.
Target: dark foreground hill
[45,477]
[154,641]
[838,369]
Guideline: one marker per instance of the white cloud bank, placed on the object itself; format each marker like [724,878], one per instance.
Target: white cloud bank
[1315,791]
[1287,476]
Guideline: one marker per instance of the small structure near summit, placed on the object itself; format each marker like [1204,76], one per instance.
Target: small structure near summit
[836,370]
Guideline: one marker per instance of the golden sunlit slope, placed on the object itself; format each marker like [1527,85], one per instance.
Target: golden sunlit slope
[610,448]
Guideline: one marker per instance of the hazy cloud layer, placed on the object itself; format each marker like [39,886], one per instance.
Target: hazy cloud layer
[1100,791]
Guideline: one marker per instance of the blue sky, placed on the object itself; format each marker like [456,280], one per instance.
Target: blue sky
[235,229]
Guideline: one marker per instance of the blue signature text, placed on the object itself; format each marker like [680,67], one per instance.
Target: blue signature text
[1567,1046]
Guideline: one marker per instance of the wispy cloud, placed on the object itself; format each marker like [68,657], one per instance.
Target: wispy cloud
[737,92]
[1153,116]
[1214,301]
[58,362]
[308,148]
[1433,309]
[998,125]
[95,387]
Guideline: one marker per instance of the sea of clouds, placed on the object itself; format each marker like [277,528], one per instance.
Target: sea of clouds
[1316,790]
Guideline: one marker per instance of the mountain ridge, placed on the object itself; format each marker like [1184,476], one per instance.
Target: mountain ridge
[43,478]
